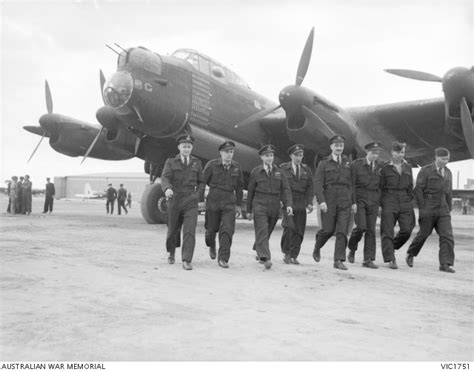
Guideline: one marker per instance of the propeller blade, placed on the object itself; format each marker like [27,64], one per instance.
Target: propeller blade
[92,145]
[257,116]
[49,100]
[137,145]
[467,128]
[36,148]
[305,59]
[102,82]
[416,75]
[320,123]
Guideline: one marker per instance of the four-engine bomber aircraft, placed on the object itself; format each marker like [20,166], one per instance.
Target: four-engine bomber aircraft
[151,99]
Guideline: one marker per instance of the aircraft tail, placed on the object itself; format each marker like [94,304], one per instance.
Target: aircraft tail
[87,189]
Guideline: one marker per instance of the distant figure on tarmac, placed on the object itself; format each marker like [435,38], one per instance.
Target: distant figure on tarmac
[434,195]
[121,198]
[49,196]
[9,183]
[13,195]
[466,206]
[129,200]
[111,196]
[26,195]
[19,207]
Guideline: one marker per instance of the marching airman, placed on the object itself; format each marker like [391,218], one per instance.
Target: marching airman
[268,186]
[333,189]
[182,181]
[226,183]
[300,179]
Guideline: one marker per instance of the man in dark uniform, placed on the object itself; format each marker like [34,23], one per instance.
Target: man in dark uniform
[365,173]
[49,196]
[433,191]
[300,179]
[397,194]
[111,196]
[268,187]
[121,198]
[333,188]
[226,184]
[19,204]
[182,181]
[26,195]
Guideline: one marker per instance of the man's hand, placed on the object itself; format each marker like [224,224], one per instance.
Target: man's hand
[354,208]
[309,208]
[169,194]
[238,211]
[324,207]
[289,210]
[250,216]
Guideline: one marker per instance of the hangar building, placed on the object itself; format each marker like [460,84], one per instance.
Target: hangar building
[69,186]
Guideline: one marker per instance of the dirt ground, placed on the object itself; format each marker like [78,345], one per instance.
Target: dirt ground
[82,285]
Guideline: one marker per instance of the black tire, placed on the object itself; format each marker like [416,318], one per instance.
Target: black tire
[154,206]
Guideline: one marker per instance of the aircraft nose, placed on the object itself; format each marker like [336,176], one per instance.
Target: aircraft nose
[118,89]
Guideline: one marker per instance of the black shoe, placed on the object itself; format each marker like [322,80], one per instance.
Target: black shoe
[267,264]
[351,256]
[287,259]
[370,265]
[171,259]
[338,264]
[409,260]
[223,264]
[187,265]
[294,261]
[393,264]
[317,254]
[212,253]
[446,268]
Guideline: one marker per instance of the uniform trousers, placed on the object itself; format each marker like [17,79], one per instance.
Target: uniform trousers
[442,225]
[182,211]
[335,220]
[266,210]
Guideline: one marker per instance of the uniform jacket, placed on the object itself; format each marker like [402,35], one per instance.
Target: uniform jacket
[219,179]
[268,186]
[394,182]
[302,189]
[26,190]
[365,181]
[122,194]
[331,174]
[177,177]
[50,190]
[111,193]
[433,191]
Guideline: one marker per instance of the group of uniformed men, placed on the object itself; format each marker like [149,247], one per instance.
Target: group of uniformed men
[366,187]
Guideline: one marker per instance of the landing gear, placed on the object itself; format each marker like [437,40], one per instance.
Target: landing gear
[154,206]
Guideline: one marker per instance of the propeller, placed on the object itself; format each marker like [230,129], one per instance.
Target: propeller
[91,146]
[49,108]
[458,88]
[416,75]
[300,75]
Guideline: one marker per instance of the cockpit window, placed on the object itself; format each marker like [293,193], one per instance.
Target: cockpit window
[193,59]
[141,57]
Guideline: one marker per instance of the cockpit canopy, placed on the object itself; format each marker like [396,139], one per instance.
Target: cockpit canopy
[209,67]
[142,57]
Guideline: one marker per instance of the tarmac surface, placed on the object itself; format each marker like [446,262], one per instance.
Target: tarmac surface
[82,285]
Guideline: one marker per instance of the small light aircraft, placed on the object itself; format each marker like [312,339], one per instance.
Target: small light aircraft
[153,98]
[89,193]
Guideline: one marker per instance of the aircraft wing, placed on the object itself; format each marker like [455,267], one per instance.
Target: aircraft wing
[463,193]
[420,124]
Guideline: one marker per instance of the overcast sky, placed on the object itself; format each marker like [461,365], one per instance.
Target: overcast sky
[262,41]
